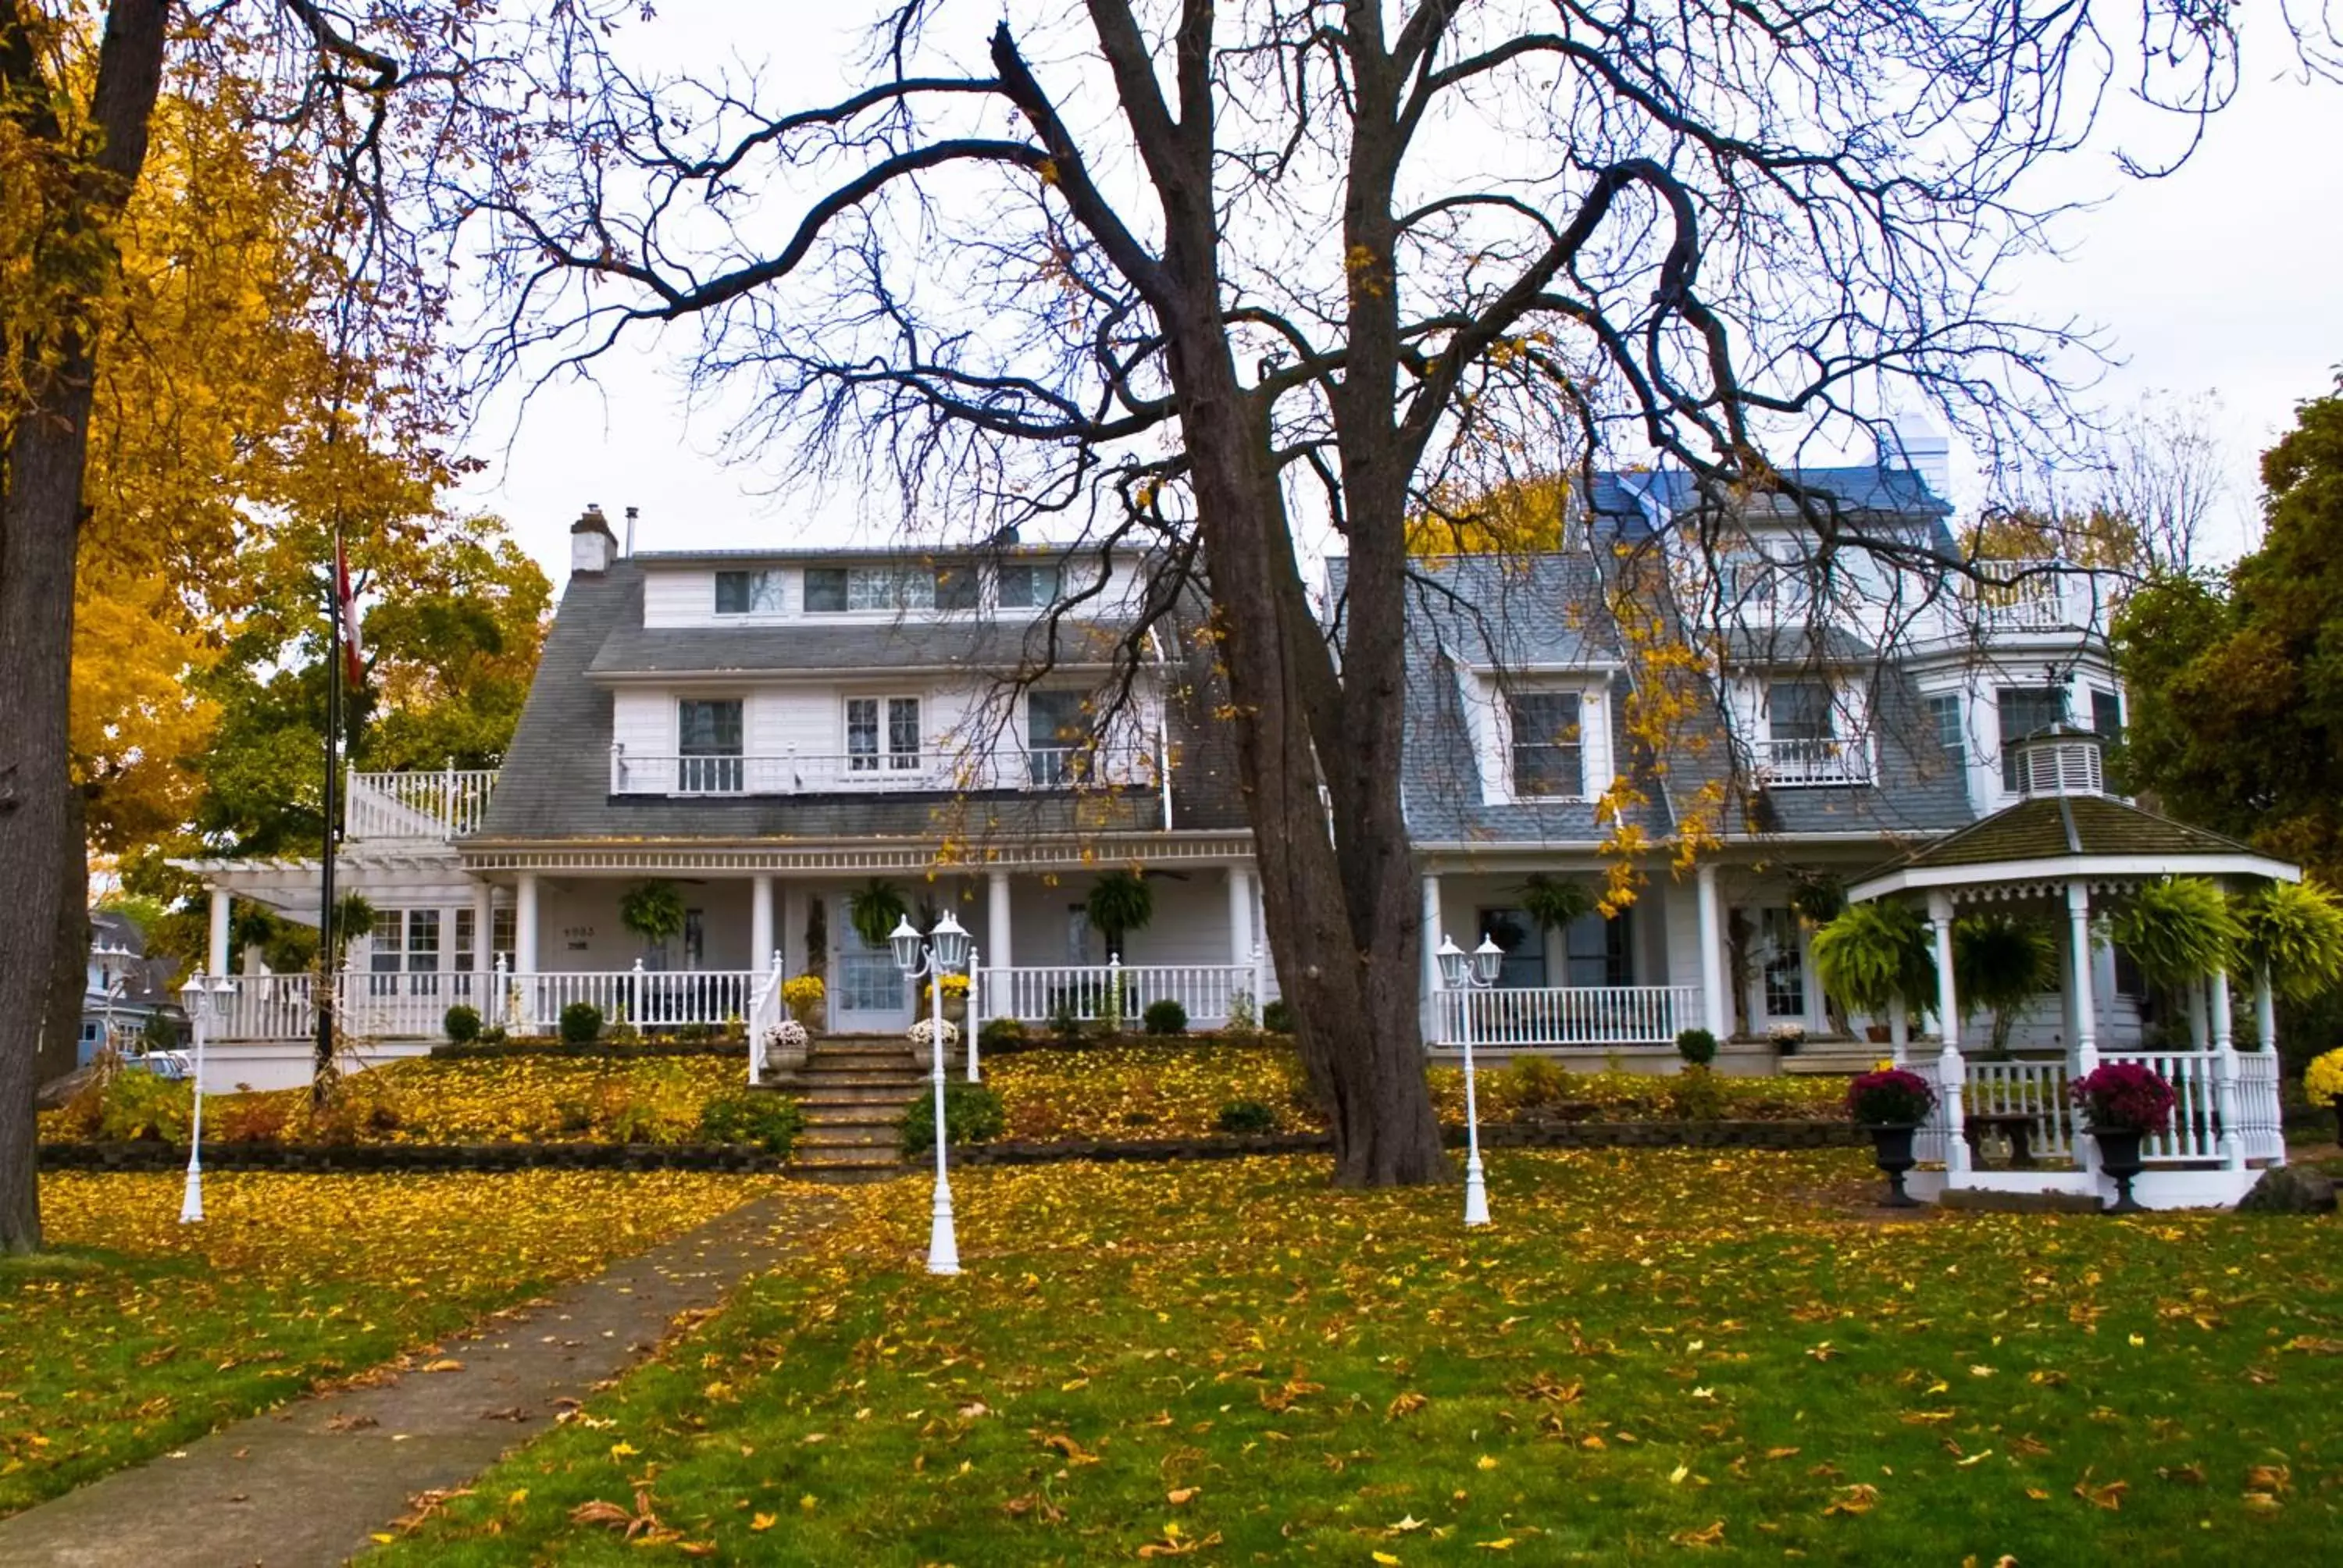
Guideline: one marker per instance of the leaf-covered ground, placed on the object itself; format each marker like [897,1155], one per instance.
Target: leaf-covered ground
[1176,1089]
[139,1332]
[1654,1355]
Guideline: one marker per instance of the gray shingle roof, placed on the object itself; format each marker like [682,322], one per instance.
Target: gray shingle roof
[1635,504]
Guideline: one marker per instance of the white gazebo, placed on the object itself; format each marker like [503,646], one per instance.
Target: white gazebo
[2067,849]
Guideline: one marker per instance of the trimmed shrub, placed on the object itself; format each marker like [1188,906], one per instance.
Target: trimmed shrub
[999,1035]
[494,1034]
[1166,1017]
[695,1033]
[581,1023]
[770,1121]
[1695,1094]
[462,1024]
[1532,1080]
[1277,1017]
[973,1113]
[1247,1116]
[143,1106]
[1067,1025]
[1697,1046]
[249,1119]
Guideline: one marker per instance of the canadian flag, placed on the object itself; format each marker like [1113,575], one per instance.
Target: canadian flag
[346,605]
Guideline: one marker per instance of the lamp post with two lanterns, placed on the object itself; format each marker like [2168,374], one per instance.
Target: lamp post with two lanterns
[203,1002]
[1465,974]
[941,951]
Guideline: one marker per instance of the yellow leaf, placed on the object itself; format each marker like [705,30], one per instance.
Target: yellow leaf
[764,1522]
[520,1495]
[1711,1537]
[1501,1543]
[1386,1558]
[1485,1461]
[1179,1494]
[1675,1476]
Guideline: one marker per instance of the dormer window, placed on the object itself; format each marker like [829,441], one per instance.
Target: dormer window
[955,587]
[1548,756]
[748,593]
[837,589]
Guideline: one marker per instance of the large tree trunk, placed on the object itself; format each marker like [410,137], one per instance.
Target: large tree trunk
[1339,904]
[40,525]
[60,1049]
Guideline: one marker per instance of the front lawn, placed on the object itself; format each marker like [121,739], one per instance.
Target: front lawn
[1654,1355]
[139,1332]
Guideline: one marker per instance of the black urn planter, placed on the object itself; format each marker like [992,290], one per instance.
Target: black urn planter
[1892,1148]
[2119,1158]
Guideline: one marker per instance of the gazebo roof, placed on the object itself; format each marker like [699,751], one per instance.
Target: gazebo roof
[2051,837]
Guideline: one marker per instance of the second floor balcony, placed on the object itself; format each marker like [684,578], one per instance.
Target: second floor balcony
[442,805]
[1794,764]
[927,769]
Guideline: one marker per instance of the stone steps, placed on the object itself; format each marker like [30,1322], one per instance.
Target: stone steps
[853,1089]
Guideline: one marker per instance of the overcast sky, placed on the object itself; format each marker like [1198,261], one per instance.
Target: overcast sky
[2222,277]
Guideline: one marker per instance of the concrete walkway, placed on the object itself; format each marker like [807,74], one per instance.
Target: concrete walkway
[308,1485]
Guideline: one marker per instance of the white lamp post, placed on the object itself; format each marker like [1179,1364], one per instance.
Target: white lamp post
[1466,974]
[944,951]
[198,997]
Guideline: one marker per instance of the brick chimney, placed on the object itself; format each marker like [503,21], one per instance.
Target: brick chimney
[592,546]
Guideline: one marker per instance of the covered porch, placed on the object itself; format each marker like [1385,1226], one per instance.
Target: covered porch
[2071,857]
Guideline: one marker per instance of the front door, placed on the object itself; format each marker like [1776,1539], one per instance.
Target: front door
[870,994]
[1781,978]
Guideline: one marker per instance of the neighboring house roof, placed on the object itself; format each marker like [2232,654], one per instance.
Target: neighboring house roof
[554,784]
[1634,506]
[147,981]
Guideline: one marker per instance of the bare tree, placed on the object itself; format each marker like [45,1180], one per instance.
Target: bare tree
[1249,275]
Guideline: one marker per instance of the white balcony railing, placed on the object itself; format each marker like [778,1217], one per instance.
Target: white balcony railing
[1514,1018]
[445,804]
[1808,764]
[881,772]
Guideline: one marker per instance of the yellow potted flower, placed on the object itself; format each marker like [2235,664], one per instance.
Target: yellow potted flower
[2323,1082]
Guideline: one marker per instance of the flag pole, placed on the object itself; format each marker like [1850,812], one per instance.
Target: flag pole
[324,989]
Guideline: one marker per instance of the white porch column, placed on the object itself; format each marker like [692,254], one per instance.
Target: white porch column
[484,955]
[2264,1012]
[2083,975]
[2225,1069]
[525,922]
[1431,934]
[1241,916]
[761,923]
[2082,970]
[1716,1008]
[1899,1029]
[999,948]
[1951,1071]
[216,954]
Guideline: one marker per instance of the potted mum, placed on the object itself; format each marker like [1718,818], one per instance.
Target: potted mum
[2122,1103]
[2322,1081]
[1891,1104]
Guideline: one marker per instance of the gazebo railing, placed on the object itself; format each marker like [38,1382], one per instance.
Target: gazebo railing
[2195,1078]
[2034,1088]
[2257,1105]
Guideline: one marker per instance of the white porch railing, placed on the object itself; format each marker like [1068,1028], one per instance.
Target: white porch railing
[2033,1089]
[1038,994]
[879,772]
[266,1007]
[443,805]
[647,998]
[1566,1015]
[2259,1111]
[1795,764]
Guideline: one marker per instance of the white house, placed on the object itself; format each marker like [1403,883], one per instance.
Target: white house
[771,731]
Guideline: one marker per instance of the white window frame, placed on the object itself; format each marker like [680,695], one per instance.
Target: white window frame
[1488,716]
[887,758]
[776,581]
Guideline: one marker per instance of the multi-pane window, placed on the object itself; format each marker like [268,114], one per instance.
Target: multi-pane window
[2106,715]
[2021,710]
[1944,718]
[708,761]
[502,923]
[1598,951]
[408,941]
[890,588]
[954,587]
[1548,758]
[1523,944]
[824,589]
[1057,729]
[748,593]
[1799,711]
[468,942]
[1026,587]
[1785,970]
[882,732]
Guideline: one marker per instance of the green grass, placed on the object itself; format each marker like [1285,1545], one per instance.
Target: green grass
[138,1334]
[1654,1355]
